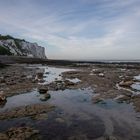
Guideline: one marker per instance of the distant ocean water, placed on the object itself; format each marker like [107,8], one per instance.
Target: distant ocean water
[107,61]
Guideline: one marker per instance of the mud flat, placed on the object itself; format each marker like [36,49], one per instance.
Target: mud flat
[79,101]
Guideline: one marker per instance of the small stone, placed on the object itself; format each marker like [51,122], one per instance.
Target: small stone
[45,97]
[68,83]
[29,77]
[101,75]
[97,99]
[60,120]
[2,96]
[43,90]
[2,80]
[41,80]
[110,138]
[122,99]
[47,72]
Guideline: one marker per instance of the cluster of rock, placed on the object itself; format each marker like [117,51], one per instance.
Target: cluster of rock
[17,79]
[44,91]
[97,72]
[17,47]
[19,133]
[61,85]
[54,86]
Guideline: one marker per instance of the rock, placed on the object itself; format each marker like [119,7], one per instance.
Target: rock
[124,98]
[101,75]
[78,137]
[2,97]
[60,120]
[21,133]
[127,93]
[68,83]
[39,75]
[42,116]
[136,96]
[25,111]
[126,83]
[29,77]
[2,104]
[3,136]
[2,80]
[41,80]
[23,75]
[97,99]
[45,97]
[47,72]
[43,90]
[110,138]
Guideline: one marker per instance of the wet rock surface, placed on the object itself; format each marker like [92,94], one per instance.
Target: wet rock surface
[102,90]
[17,79]
[20,133]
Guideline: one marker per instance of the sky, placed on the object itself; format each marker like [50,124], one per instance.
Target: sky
[76,29]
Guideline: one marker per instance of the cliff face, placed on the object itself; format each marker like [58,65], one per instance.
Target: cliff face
[18,47]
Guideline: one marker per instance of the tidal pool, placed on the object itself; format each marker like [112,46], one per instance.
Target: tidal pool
[51,73]
[76,115]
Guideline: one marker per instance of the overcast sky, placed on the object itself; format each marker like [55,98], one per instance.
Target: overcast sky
[76,29]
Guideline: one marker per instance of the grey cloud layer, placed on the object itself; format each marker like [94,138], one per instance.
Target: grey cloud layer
[86,29]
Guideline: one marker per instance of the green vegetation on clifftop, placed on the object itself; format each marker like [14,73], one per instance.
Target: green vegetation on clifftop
[4,51]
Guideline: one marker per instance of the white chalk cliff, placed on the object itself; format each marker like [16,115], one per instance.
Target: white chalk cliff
[18,47]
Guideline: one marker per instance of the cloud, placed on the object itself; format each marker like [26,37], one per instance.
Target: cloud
[80,29]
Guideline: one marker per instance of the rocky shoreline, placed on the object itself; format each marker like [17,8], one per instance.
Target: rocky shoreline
[107,81]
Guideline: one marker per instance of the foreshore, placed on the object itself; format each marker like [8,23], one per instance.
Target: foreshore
[69,95]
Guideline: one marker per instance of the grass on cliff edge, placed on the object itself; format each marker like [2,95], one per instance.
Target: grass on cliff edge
[4,51]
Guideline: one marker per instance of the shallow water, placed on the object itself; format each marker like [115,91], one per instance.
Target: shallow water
[76,115]
[137,77]
[136,86]
[21,100]
[51,73]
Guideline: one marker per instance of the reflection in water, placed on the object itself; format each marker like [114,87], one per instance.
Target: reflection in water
[51,74]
